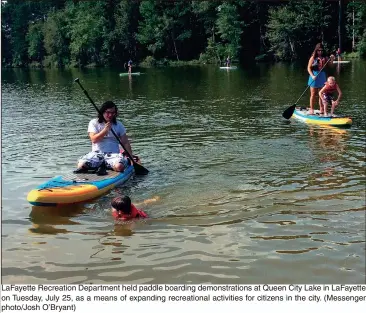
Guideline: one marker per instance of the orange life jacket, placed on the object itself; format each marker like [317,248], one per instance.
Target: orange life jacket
[330,89]
[135,213]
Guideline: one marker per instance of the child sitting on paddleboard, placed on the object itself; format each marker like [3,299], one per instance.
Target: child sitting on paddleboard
[326,94]
[122,208]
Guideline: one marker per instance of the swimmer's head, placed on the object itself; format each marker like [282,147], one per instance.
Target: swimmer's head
[122,204]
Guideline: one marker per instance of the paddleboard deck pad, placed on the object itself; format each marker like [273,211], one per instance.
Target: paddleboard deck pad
[316,118]
[75,188]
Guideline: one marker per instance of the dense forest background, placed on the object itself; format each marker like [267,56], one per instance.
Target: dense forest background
[63,33]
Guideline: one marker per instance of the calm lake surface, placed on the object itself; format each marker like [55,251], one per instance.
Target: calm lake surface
[242,195]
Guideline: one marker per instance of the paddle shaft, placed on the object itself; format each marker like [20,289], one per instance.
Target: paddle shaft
[115,135]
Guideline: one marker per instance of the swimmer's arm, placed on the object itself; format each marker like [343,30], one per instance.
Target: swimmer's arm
[147,201]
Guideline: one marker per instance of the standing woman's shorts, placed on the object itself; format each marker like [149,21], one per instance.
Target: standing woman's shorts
[95,158]
[319,81]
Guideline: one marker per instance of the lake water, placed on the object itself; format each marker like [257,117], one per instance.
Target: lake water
[242,195]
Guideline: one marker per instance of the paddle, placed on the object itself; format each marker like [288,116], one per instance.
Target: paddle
[139,169]
[290,110]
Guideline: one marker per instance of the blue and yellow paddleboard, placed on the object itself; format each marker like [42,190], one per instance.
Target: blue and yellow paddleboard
[76,188]
[337,120]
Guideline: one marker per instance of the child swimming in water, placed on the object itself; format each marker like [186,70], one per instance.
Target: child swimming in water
[122,208]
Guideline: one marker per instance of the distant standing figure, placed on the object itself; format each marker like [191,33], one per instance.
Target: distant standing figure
[326,94]
[122,208]
[228,61]
[129,65]
[317,76]
[338,54]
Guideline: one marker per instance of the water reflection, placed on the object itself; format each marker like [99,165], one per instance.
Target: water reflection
[328,146]
[329,139]
[45,218]
[130,85]
[113,241]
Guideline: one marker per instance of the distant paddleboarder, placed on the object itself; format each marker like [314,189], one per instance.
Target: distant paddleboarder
[129,65]
[338,54]
[228,61]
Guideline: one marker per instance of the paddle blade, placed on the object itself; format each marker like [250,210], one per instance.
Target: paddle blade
[139,169]
[289,111]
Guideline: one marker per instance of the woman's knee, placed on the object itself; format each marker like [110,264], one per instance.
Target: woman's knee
[121,165]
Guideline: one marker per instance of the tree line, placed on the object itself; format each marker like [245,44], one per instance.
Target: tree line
[63,33]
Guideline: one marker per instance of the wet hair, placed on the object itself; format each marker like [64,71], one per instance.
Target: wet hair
[317,47]
[105,106]
[122,204]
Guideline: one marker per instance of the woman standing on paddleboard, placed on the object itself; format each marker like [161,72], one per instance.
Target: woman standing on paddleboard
[317,76]
[228,61]
[129,65]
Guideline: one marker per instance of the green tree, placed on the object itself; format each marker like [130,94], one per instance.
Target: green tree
[18,19]
[56,38]
[34,37]
[64,32]
[356,26]
[86,32]
[120,41]
[229,27]
[6,47]
[295,27]
[163,25]
[150,30]
[206,15]
[176,19]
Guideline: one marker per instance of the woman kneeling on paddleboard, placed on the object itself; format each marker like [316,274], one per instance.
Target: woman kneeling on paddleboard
[122,208]
[105,146]
[317,76]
